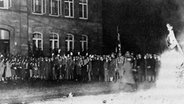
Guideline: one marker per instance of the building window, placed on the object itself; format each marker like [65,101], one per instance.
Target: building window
[4,34]
[5,4]
[69,42]
[4,41]
[83,9]
[84,43]
[39,6]
[69,8]
[37,40]
[55,7]
[54,41]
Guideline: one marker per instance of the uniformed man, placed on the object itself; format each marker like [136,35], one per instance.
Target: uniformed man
[101,68]
[89,68]
[42,68]
[13,68]
[106,70]
[119,66]
[2,66]
[95,69]
[84,69]
[150,68]
[139,67]
[128,75]
[23,71]
[78,68]
[112,67]
[157,65]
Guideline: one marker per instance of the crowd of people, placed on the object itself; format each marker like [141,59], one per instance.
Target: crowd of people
[127,68]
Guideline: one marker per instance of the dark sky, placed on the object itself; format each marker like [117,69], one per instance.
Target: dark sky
[142,23]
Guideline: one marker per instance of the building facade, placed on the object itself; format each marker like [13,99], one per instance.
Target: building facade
[68,25]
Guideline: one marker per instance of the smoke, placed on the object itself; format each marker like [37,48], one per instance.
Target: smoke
[144,21]
[180,12]
[180,3]
[172,12]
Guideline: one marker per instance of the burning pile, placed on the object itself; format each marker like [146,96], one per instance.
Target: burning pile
[170,75]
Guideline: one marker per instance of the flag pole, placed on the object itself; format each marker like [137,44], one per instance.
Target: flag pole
[118,39]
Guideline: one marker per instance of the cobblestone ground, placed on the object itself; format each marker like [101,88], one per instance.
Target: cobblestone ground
[35,91]
[19,91]
[141,97]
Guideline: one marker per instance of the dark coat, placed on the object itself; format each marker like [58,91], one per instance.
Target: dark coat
[128,75]
[112,67]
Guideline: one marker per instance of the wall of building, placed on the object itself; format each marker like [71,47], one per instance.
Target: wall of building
[15,21]
[63,27]
[20,21]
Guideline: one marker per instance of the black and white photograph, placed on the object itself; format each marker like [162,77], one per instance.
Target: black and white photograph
[91,51]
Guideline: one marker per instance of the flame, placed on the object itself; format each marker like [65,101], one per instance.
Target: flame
[167,79]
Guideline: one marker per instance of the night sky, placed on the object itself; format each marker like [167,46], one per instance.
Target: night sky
[142,24]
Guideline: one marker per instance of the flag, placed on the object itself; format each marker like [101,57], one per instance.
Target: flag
[118,47]
[171,39]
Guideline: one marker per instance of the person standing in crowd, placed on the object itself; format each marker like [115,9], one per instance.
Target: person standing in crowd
[48,69]
[13,68]
[119,66]
[133,60]
[16,68]
[51,68]
[75,69]
[139,67]
[8,70]
[67,66]
[4,70]
[134,67]
[2,66]
[57,71]
[63,68]
[38,64]
[106,70]
[46,76]
[89,68]
[95,69]
[19,68]
[23,72]
[84,69]
[27,69]
[54,76]
[42,68]
[112,67]
[101,69]
[31,68]
[157,65]
[35,72]
[70,68]
[149,68]
[128,78]
[143,68]
[78,69]
[153,71]
[59,67]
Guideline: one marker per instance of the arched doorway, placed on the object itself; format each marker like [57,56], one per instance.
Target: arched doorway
[4,41]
